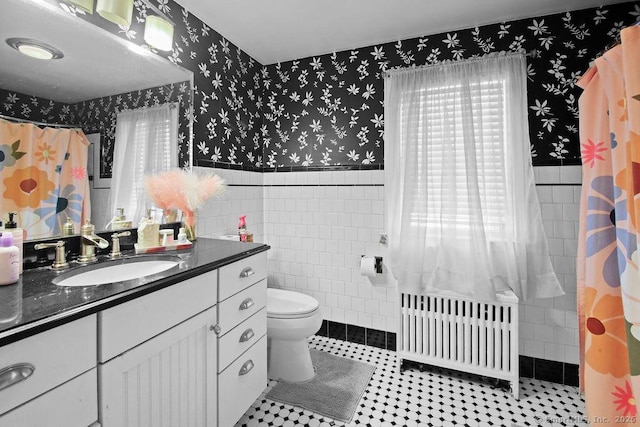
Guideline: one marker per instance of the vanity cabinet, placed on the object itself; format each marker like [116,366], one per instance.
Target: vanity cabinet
[192,354]
[50,378]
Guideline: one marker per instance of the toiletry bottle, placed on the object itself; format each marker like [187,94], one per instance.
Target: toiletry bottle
[119,221]
[18,235]
[148,232]
[242,228]
[9,263]
[182,236]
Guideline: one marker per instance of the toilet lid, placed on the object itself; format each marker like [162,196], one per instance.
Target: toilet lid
[287,303]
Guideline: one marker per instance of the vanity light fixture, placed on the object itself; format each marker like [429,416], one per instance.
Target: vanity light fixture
[117,11]
[34,48]
[158,33]
[84,5]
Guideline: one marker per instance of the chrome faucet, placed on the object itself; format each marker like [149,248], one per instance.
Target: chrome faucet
[60,262]
[88,242]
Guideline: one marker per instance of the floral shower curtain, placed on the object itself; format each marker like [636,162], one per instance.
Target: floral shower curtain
[43,177]
[607,266]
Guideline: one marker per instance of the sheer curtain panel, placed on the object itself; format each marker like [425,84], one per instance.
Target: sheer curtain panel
[146,142]
[461,207]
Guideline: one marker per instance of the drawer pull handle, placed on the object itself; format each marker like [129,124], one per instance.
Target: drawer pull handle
[14,374]
[246,272]
[246,367]
[247,335]
[246,304]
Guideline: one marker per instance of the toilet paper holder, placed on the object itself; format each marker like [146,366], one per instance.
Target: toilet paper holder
[378,263]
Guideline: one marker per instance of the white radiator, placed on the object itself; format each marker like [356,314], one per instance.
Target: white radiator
[457,332]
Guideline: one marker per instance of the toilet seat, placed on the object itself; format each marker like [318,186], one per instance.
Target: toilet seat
[283,304]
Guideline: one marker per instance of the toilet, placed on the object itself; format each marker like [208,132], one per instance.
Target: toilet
[292,317]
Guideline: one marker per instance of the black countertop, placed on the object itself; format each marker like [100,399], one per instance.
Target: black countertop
[35,304]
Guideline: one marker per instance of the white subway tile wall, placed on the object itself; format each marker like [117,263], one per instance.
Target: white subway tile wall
[319,224]
[243,196]
[549,328]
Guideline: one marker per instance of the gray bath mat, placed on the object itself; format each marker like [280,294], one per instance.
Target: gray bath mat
[334,391]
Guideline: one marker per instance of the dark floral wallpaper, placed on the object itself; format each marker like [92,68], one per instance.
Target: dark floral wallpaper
[227,94]
[328,110]
[21,106]
[227,90]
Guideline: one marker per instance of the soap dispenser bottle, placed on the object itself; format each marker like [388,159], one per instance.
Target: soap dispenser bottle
[148,232]
[18,236]
[119,221]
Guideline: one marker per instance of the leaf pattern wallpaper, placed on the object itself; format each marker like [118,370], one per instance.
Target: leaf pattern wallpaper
[327,111]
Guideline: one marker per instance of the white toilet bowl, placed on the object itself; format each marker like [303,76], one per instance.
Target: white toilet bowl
[291,318]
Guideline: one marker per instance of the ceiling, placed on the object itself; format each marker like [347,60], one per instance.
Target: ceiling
[282,30]
[95,63]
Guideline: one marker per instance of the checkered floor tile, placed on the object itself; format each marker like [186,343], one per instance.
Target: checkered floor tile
[429,397]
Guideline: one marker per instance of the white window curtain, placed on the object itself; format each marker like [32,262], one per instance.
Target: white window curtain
[462,211]
[146,142]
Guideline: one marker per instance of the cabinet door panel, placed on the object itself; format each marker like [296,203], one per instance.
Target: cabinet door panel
[166,381]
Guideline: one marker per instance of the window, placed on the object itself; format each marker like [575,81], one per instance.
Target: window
[447,196]
[461,207]
[146,142]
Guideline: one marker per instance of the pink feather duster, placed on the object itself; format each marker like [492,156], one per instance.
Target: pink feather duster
[182,189]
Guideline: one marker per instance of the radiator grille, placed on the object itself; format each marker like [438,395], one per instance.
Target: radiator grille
[460,333]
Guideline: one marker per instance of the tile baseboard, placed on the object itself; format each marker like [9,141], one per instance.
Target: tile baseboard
[530,367]
[549,370]
[358,334]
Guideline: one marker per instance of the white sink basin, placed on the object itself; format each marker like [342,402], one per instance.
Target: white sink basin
[116,271]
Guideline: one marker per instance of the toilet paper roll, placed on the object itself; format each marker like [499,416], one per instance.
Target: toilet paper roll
[368,266]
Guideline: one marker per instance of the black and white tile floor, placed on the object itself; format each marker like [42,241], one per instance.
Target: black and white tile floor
[430,397]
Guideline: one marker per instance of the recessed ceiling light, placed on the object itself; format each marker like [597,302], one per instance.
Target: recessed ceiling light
[34,48]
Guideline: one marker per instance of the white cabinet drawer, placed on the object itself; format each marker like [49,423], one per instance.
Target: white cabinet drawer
[242,337]
[241,274]
[241,383]
[73,404]
[126,325]
[56,356]
[241,306]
